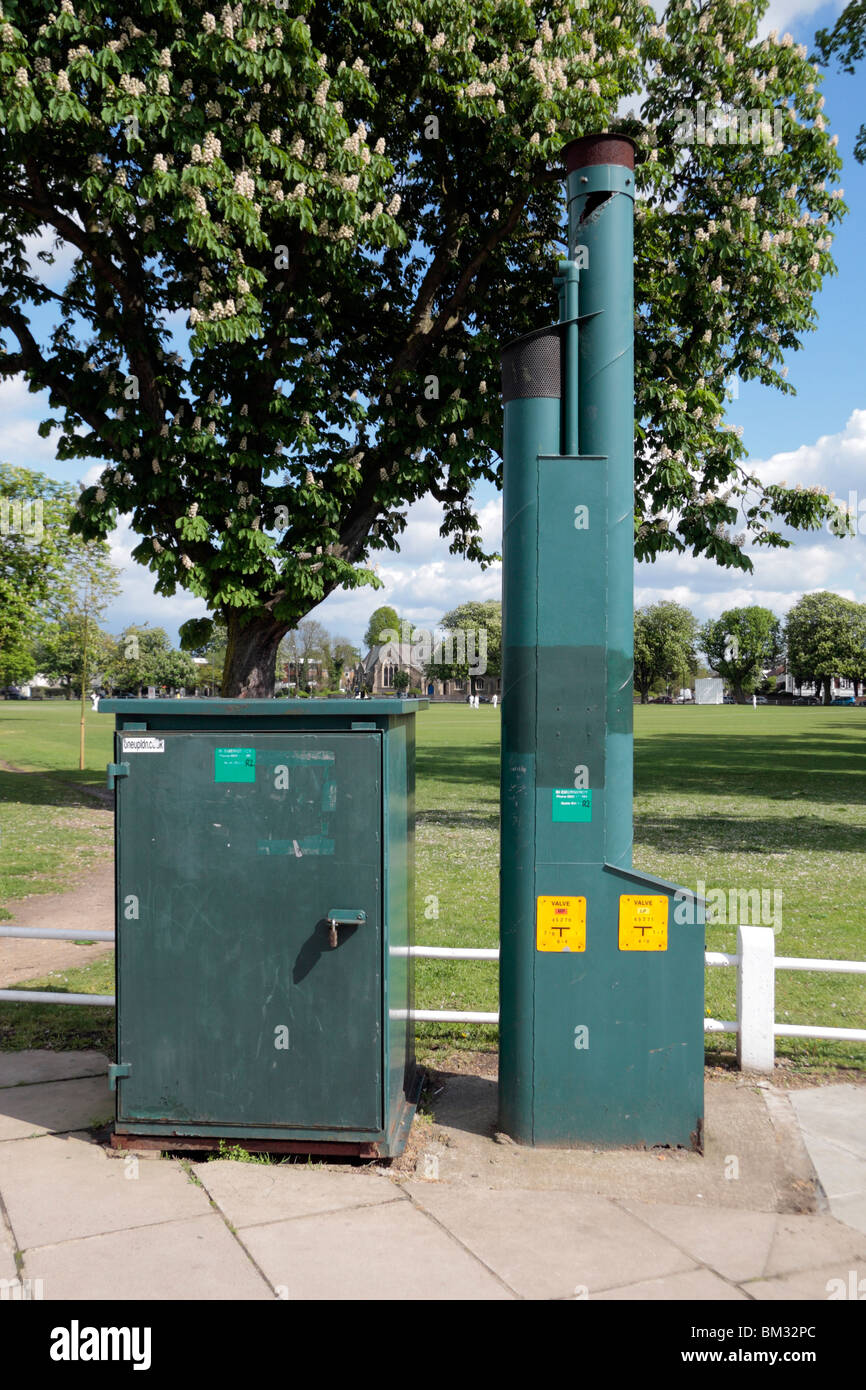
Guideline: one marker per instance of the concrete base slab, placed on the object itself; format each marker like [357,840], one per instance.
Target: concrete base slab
[551,1244]
[63,1189]
[741,1138]
[253,1194]
[25,1068]
[177,1260]
[55,1107]
[389,1251]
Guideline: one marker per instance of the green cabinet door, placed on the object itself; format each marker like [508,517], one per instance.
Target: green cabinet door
[233,1007]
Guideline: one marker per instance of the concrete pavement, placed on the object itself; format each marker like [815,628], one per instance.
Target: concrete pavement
[464,1215]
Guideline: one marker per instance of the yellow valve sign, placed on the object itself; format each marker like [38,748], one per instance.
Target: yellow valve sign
[560,924]
[643,923]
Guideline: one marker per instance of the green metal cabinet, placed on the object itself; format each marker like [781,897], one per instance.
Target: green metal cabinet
[264,904]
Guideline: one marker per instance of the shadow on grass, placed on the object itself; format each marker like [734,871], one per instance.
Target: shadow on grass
[735,835]
[56,1027]
[52,789]
[824,769]
[458,820]
[460,765]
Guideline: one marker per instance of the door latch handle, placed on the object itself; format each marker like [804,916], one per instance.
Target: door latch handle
[343,917]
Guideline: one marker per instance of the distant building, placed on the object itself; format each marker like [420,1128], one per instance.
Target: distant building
[379,667]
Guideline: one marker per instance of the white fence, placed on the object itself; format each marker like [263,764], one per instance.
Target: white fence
[756,964]
[755,1026]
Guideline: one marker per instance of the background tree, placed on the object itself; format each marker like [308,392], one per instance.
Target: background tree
[59,652]
[306,647]
[37,556]
[739,644]
[665,634]
[846,43]
[144,656]
[341,654]
[383,619]
[826,637]
[471,620]
[71,645]
[354,207]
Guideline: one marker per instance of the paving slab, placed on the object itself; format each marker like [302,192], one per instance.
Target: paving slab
[178,1260]
[836,1113]
[699,1284]
[33,1065]
[736,1244]
[807,1242]
[7,1253]
[54,1107]
[818,1285]
[547,1244]
[387,1251]
[58,1189]
[254,1194]
[833,1123]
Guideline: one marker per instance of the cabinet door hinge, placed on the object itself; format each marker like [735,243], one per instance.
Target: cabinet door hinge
[116,1070]
[114,771]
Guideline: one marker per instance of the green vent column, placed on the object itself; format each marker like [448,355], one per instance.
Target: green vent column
[601,977]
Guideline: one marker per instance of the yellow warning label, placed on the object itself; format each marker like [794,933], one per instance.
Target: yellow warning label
[560,924]
[643,923]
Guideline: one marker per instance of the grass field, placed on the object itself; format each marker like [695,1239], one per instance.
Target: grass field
[732,797]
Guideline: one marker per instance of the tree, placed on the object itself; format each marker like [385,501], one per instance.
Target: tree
[664,644]
[472,644]
[71,643]
[739,644]
[207,639]
[826,637]
[59,652]
[341,652]
[36,553]
[354,207]
[307,644]
[144,656]
[382,620]
[401,680]
[846,42]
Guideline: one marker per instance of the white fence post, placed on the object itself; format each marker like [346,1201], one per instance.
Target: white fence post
[756,998]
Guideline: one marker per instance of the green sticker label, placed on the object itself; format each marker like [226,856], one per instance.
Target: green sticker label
[234,765]
[572,805]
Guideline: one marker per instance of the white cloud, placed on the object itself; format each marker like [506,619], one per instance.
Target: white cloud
[20,413]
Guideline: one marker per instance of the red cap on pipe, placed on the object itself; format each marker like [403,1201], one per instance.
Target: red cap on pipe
[599,149]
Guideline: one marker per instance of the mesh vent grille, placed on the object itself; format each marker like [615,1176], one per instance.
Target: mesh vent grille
[532,366]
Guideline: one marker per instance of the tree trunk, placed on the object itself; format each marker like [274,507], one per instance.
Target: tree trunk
[828,689]
[249,672]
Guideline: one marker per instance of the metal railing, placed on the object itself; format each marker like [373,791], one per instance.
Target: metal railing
[756,964]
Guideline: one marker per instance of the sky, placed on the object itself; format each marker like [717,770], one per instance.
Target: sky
[817,436]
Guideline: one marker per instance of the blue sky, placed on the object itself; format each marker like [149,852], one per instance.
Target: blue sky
[817,436]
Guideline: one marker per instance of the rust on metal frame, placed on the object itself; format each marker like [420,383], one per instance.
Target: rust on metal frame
[599,149]
[189,1142]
